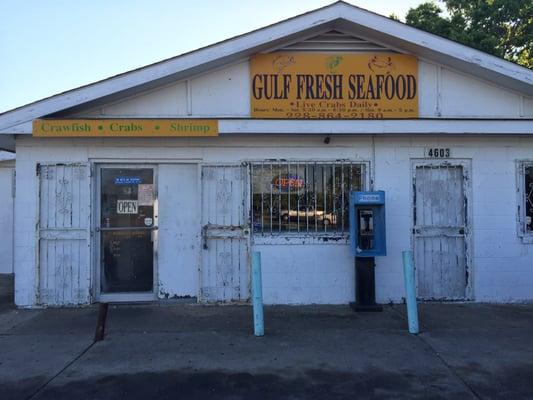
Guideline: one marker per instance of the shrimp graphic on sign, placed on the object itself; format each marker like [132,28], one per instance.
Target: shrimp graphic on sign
[332,63]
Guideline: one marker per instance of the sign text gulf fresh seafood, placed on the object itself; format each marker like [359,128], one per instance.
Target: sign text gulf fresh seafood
[336,86]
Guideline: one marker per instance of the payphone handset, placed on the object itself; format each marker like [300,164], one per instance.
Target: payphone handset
[366,229]
[367,223]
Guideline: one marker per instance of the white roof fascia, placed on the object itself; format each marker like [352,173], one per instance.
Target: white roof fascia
[362,127]
[373,127]
[19,129]
[338,15]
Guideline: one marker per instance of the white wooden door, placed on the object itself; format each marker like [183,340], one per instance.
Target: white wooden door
[440,231]
[64,215]
[225,233]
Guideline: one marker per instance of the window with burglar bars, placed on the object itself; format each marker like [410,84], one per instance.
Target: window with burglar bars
[527,196]
[303,197]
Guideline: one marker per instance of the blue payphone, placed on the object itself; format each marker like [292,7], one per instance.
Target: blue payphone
[367,224]
[367,236]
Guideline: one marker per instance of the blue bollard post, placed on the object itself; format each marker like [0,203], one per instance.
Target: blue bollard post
[410,291]
[257,295]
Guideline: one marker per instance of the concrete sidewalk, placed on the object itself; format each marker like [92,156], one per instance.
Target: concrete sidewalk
[466,351]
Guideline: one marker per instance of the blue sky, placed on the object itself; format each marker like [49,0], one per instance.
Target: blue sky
[47,47]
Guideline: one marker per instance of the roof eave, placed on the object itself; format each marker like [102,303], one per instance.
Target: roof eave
[442,50]
[336,16]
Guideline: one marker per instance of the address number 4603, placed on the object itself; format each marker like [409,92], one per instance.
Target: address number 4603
[437,152]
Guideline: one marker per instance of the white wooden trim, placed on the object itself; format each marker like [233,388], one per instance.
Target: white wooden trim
[370,127]
[438,110]
[375,127]
[188,96]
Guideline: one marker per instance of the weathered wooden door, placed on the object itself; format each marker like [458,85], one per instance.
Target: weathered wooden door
[64,201]
[440,230]
[225,234]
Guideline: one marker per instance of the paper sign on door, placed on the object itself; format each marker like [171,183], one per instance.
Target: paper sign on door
[146,195]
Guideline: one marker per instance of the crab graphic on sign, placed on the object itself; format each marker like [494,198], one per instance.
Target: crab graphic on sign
[380,63]
[282,62]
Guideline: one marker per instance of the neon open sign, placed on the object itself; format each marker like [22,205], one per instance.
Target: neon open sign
[287,182]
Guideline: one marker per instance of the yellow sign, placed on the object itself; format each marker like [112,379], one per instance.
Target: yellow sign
[336,86]
[124,127]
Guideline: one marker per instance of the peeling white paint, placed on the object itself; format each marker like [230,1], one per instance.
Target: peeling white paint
[301,270]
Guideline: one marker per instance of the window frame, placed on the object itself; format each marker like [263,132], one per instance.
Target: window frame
[521,165]
[303,236]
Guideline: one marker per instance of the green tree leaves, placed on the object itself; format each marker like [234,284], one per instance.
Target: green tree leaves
[503,28]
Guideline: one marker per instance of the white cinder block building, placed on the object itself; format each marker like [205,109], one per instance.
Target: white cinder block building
[7,195]
[158,183]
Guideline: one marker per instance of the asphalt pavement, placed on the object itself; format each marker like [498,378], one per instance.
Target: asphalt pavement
[190,351]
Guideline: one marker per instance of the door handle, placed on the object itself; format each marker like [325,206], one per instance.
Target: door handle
[204,237]
[129,228]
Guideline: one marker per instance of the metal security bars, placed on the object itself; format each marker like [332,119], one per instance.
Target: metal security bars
[303,197]
[528,197]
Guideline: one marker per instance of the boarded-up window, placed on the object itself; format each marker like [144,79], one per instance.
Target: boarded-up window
[304,197]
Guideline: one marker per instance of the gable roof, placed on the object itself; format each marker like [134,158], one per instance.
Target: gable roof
[339,16]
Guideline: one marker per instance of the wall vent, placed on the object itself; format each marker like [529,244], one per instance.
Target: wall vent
[335,41]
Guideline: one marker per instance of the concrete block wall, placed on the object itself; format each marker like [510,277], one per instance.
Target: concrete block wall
[501,263]
[26,203]
[310,271]
[307,273]
[7,168]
